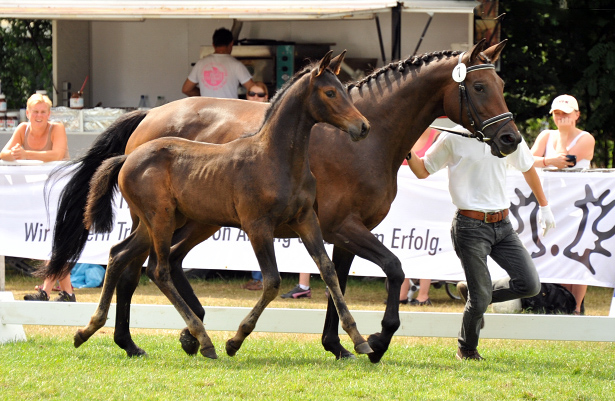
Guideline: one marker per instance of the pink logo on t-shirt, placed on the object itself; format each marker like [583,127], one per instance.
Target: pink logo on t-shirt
[214,78]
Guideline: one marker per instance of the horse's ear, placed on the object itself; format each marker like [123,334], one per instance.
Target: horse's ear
[494,51]
[336,63]
[476,51]
[324,63]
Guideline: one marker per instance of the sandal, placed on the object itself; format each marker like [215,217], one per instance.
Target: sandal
[427,302]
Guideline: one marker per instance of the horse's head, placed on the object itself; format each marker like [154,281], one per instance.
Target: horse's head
[329,99]
[477,102]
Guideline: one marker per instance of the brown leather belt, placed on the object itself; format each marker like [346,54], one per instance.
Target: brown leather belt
[486,217]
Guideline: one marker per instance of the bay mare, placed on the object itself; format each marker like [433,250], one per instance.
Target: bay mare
[257,183]
[355,183]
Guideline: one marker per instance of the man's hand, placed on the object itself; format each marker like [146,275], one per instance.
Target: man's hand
[546,219]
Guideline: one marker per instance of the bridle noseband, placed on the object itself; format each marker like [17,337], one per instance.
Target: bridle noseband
[459,74]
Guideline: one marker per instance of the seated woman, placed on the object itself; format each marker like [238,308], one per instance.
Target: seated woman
[553,147]
[40,139]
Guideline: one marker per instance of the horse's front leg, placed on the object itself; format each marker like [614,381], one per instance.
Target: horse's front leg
[119,257]
[261,239]
[309,231]
[355,238]
[342,260]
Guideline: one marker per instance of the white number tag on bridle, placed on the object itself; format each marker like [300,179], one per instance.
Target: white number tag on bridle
[459,72]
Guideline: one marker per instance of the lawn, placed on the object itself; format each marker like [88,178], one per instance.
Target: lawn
[295,367]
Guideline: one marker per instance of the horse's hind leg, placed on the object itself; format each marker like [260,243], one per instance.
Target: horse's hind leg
[120,255]
[184,239]
[126,287]
[265,253]
[162,277]
[310,233]
[357,239]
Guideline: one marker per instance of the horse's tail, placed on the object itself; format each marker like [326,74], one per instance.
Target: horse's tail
[70,236]
[99,214]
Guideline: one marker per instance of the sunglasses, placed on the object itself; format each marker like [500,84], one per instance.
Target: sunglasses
[256,94]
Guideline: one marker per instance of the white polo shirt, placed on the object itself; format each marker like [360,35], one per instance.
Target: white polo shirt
[477,179]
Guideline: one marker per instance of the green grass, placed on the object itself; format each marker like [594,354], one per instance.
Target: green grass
[295,367]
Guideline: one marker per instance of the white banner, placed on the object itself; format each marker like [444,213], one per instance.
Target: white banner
[417,229]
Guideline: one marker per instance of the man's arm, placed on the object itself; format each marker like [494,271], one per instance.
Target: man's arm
[532,179]
[190,88]
[417,165]
[248,85]
[545,216]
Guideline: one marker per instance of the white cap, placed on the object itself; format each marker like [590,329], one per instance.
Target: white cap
[565,103]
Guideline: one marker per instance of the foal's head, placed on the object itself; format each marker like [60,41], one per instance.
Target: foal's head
[327,99]
[476,99]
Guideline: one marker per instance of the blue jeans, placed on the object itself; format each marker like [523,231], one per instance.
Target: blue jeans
[473,241]
[257,275]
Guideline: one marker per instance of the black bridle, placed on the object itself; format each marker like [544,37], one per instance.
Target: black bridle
[479,134]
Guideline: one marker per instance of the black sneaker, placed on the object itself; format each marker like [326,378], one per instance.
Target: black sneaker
[462,289]
[298,292]
[63,296]
[41,295]
[468,354]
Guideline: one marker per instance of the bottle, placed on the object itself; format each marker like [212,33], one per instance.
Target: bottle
[2,120]
[160,101]
[143,104]
[76,100]
[2,102]
[12,120]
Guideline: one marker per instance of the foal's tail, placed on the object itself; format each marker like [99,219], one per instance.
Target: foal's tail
[99,214]
[70,236]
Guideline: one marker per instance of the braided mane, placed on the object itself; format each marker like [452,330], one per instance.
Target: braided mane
[400,66]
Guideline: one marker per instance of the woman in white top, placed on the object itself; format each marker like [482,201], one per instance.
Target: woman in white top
[551,148]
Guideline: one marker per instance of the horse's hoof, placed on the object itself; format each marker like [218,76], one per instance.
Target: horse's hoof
[346,356]
[231,348]
[136,352]
[378,347]
[189,343]
[363,348]
[78,339]
[209,352]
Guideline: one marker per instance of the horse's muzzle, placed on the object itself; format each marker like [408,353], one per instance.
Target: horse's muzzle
[359,131]
[505,143]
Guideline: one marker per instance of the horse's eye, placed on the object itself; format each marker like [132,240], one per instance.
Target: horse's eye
[479,88]
[330,93]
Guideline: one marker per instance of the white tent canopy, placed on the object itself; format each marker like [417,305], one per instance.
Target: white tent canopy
[233,9]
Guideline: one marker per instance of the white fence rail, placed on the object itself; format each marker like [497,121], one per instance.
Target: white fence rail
[14,314]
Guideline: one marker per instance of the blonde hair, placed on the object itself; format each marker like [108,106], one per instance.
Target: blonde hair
[36,99]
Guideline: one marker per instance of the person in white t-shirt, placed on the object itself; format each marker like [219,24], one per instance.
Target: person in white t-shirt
[481,228]
[551,149]
[219,74]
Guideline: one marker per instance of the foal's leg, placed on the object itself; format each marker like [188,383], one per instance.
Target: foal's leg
[310,233]
[126,287]
[160,228]
[184,239]
[120,255]
[342,260]
[262,243]
[357,239]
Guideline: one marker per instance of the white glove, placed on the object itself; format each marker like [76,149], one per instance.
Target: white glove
[546,219]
